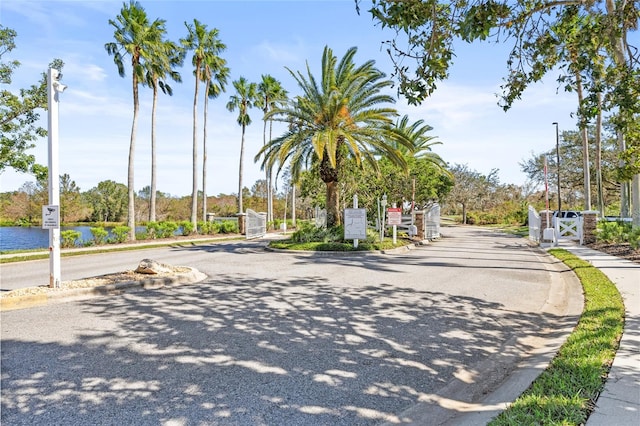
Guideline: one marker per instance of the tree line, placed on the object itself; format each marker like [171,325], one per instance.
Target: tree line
[342,133]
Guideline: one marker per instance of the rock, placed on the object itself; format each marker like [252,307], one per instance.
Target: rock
[150,266]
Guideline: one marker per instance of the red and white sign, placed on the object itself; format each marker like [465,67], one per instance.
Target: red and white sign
[394,215]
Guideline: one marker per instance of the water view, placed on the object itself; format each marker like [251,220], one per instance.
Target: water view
[33,237]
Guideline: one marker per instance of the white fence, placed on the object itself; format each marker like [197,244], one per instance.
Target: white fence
[534,225]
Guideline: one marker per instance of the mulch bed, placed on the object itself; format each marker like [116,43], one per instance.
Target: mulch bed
[623,250]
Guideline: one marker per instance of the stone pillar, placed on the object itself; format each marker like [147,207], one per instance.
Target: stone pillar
[419,222]
[589,226]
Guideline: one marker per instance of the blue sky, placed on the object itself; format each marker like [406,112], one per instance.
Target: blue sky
[262,37]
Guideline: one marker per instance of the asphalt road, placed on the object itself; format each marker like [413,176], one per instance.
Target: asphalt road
[285,339]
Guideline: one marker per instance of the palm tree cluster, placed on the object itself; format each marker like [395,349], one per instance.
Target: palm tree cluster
[154,61]
[346,114]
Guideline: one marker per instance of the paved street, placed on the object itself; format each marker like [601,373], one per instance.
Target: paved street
[291,339]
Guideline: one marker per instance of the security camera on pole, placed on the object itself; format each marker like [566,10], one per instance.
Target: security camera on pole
[51,213]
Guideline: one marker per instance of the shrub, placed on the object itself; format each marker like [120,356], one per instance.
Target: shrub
[120,233]
[612,232]
[308,232]
[153,229]
[226,227]
[69,238]
[99,235]
[187,227]
[167,229]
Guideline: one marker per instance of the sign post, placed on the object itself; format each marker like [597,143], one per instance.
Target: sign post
[395,218]
[54,88]
[355,223]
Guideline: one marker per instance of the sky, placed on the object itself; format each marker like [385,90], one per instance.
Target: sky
[262,37]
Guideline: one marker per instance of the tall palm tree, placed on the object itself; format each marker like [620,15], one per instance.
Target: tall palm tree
[341,115]
[270,94]
[158,69]
[205,44]
[215,76]
[246,97]
[135,37]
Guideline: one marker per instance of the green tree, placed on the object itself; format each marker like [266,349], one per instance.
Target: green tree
[135,37]
[571,167]
[270,94]
[547,35]
[70,198]
[206,46]
[343,114]
[19,113]
[245,98]
[108,200]
[160,67]
[471,189]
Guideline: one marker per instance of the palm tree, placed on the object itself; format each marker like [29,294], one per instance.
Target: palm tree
[215,76]
[205,45]
[246,97]
[421,143]
[160,67]
[137,38]
[270,94]
[341,115]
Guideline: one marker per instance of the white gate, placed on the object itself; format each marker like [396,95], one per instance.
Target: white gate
[432,222]
[256,224]
[569,228]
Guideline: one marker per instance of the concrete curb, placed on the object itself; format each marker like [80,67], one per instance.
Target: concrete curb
[36,300]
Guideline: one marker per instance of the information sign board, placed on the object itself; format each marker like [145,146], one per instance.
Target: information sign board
[50,217]
[394,215]
[355,224]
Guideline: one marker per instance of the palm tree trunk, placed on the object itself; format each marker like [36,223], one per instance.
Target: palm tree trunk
[585,150]
[599,157]
[333,204]
[270,179]
[204,154]
[240,207]
[152,195]
[266,170]
[194,187]
[131,217]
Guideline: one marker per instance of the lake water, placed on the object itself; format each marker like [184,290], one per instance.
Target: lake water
[25,238]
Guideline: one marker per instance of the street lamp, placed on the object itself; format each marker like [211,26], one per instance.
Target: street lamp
[558,163]
[54,88]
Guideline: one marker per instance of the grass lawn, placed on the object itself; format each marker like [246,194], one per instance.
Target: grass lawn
[565,393]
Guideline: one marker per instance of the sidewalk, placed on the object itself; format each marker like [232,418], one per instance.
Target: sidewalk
[619,402]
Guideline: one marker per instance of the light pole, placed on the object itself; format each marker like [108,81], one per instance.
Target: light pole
[558,164]
[54,88]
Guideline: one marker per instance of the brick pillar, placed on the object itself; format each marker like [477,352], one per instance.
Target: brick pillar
[589,226]
[419,222]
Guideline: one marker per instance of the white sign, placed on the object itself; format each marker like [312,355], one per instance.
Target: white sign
[355,224]
[50,217]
